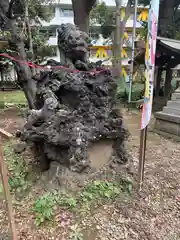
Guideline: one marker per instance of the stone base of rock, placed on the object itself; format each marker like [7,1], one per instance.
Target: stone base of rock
[167,122]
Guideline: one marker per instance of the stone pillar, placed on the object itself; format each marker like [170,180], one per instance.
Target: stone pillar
[178,73]
[167,84]
[158,81]
[155,77]
[177,85]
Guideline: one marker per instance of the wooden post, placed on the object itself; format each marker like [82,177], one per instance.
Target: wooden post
[143,138]
[4,176]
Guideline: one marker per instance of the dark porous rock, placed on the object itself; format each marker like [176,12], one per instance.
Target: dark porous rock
[75,109]
[19,147]
[18,133]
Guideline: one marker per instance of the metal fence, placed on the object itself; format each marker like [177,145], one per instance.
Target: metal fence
[8,80]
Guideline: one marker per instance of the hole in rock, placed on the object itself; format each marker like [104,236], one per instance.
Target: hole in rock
[100,153]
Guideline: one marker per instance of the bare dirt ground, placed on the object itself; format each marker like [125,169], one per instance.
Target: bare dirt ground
[154,214]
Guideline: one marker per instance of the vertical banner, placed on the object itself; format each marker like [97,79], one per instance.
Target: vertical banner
[150,62]
[149,75]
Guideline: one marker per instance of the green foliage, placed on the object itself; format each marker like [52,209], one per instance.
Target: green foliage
[143,34]
[5,34]
[18,170]
[99,190]
[2,105]
[44,207]
[14,98]
[37,9]
[104,16]
[126,185]
[68,201]
[76,233]
[31,12]
[40,47]
[101,15]
[4,62]
[172,29]
[123,91]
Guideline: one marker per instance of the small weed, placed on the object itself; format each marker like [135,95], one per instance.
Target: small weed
[156,202]
[44,207]
[126,185]
[68,201]
[17,168]
[76,233]
[100,190]
[95,191]
[174,236]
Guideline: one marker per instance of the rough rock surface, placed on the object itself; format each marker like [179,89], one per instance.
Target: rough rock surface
[75,108]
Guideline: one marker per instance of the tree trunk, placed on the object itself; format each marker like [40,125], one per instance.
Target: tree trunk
[16,42]
[29,36]
[118,42]
[23,70]
[117,48]
[81,10]
[118,36]
[82,25]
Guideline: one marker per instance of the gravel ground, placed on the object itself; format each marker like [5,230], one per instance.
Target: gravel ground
[154,214]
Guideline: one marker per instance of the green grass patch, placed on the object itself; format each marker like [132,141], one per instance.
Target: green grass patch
[95,192]
[13,98]
[17,170]
[123,91]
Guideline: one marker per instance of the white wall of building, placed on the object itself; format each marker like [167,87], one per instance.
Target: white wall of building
[108,2]
[64,14]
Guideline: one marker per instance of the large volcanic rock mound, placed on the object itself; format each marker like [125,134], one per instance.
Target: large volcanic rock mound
[75,108]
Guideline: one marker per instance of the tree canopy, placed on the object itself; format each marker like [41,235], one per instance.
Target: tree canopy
[169,18]
[41,9]
[16,17]
[101,15]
